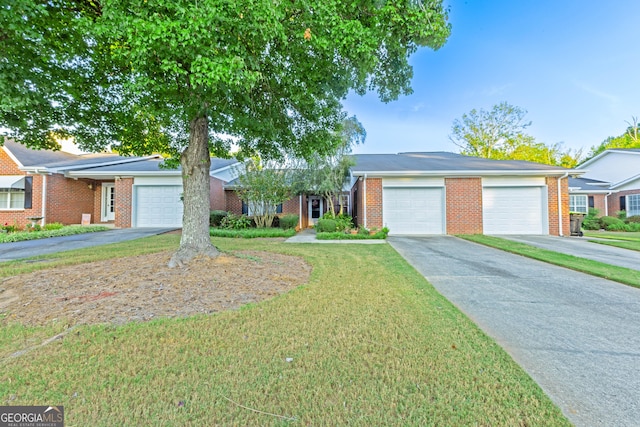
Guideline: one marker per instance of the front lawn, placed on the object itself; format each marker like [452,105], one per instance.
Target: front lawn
[252,233]
[622,240]
[623,275]
[367,342]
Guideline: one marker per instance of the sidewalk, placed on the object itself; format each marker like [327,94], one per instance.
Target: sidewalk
[308,235]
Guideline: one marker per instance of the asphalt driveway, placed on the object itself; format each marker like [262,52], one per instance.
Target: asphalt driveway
[30,248]
[578,336]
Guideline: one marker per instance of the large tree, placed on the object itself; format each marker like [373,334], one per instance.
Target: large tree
[629,139]
[187,77]
[501,134]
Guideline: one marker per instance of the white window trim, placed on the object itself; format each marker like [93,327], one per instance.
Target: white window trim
[9,192]
[636,202]
[575,207]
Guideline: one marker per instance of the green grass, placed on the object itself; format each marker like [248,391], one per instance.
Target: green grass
[623,275]
[366,342]
[620,240]
[338,235]
[69,230]
[252,233]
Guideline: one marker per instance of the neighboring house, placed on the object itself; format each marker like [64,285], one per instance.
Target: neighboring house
[447,193]
[610,183]
[53,186]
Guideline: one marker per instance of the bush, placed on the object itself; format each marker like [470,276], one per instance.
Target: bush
[633,219]
[610,221]
[590,223]
[326,225]
[621,215]
[53,226]
[288,221]
[621,226]
[343,221]
[235,222]
[216,217]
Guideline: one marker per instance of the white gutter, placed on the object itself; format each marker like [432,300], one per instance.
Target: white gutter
[44,200]
[560,230]
[300,216]
[606,203]
[452,173]
[365,201]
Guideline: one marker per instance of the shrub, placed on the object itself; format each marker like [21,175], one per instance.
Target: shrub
[593,212]
[216,216]
[326,225]
[6,228]
[235,222]
[53,226]
[621,215]
[610,221]
[343,221]
[590,223]
[288,221]
[633,219]
[618,226]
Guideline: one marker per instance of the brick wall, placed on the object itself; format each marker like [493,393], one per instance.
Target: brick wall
[123,202]
[552,197]
[374,203]
[464,205]
[68,199]
[233,202]
[7,165]
[598,203]
[217,200]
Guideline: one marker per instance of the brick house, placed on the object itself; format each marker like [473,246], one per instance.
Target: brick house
[610,183]
[47,186]
[447,193]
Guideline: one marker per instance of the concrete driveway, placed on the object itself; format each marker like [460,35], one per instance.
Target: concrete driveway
[30,248]
[582,247]
[576,335]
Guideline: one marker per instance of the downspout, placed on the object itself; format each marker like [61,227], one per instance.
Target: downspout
[606,203]
[365,202]
[44,200]
[300,209]
[560,230]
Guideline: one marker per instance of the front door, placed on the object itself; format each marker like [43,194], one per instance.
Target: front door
[315,209]
[108,202]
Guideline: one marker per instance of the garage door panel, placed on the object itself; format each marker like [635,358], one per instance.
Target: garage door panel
[514,210]
[413,210]
[158,206]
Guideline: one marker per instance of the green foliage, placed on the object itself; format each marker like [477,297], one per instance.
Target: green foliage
[252,233]
[629,139]
[343,221]
[70,230]
[7,228]
[608,221]
[53,226]
[216,217]
[501,134]
[235,222]
[361,234]
[621,215]
[633,219]
[326,225]
[289,221]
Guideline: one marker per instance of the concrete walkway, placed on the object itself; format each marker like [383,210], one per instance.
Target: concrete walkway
[576,335]
[582,247]
[308,235]
[30,248]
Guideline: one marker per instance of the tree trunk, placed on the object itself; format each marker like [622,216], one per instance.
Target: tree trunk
[195,162]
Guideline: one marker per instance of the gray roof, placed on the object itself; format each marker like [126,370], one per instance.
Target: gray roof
[59,161]
[153,165]
[443,162]
[588,185]
[50,159]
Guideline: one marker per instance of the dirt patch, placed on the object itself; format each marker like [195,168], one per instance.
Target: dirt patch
[141,288]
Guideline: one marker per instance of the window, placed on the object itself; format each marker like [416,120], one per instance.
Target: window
[11,198]
[633,205]
[578,203]
[249,211]
[592,202]
[623,204]
[344,203]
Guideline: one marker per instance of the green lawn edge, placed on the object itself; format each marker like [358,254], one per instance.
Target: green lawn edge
[368,341]
[626,276]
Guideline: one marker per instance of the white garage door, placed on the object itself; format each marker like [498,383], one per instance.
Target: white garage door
[413,210]
[158,206]
[514,210]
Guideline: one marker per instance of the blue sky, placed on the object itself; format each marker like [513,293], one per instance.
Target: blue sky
[573,65]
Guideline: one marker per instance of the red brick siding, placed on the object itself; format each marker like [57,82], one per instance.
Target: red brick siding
[217,200]
[68,199]
[233,202]
[598,202]
[124,202]
[374,203]
[552,197]
[19,217]
[464,205]
[7,165]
